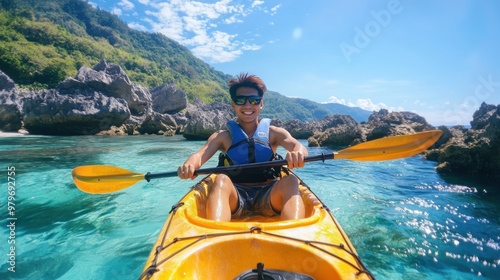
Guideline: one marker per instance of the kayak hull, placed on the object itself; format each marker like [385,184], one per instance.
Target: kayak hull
[193,247]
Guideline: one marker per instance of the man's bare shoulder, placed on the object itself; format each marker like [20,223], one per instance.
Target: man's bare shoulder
[277,134]
[222,139]
[277,130]
[222,134]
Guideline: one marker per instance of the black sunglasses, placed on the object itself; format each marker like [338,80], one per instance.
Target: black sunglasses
[242,99]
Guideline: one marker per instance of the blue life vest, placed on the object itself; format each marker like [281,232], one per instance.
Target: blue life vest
[246,149]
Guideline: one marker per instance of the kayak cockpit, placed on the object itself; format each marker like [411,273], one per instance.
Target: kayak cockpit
[197,215]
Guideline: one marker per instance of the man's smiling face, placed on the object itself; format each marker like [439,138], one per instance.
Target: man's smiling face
[247,112]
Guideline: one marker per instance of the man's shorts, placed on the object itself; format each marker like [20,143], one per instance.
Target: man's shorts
[254,200]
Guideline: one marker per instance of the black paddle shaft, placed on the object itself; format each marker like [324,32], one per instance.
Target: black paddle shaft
[232,168]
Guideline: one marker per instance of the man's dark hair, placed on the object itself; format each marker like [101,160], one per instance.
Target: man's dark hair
[246,80]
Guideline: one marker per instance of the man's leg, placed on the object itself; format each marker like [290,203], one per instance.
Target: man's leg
[222,200]
[285,198]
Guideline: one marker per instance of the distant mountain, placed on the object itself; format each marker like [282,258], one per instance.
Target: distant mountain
[356,113]
[285,108]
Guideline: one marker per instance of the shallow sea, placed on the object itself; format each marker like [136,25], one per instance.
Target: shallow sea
[405,220]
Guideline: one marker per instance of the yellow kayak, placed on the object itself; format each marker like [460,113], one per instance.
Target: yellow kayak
[193,247]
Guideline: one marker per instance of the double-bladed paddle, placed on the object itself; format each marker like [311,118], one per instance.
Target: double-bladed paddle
[100,179]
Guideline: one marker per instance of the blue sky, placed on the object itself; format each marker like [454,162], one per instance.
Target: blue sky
[439,59]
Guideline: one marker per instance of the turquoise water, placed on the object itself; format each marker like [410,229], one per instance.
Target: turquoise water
[405,220]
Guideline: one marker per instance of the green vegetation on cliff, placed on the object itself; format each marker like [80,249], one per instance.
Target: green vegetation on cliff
[45,41]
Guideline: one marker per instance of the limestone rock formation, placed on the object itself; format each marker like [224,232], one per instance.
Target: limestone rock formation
[10,105]
[112,81]
[339,130]
[99,100]
[51,113]
[204,119]
[167,99]
[474,151]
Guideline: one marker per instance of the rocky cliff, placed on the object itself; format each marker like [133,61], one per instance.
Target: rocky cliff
[474,151]
[465,151]
[10,105]
[342,130]
[99,100]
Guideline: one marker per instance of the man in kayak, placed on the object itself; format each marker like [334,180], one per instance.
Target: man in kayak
[256,190]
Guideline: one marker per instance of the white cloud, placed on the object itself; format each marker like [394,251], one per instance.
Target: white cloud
[126,4]
[218,47]
[257,3]
[365,104]
[297,33]
[252,47]
[419,103]
[199,26]
[202,26]
[335,99]
[233,19]
[137,26]
[170,23]
[116,11]
[274,9]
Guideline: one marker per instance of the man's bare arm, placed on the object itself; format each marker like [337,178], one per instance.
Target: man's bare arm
[296,151]
[214,143]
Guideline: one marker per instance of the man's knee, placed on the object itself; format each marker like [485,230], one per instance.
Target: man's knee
[291,182]
[288,186]
[221,178]
[222,183]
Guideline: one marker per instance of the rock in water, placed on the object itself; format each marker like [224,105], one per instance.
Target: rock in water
[51,113]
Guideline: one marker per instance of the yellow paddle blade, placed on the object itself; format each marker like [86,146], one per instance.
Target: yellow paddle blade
[98,179]
[388,148]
